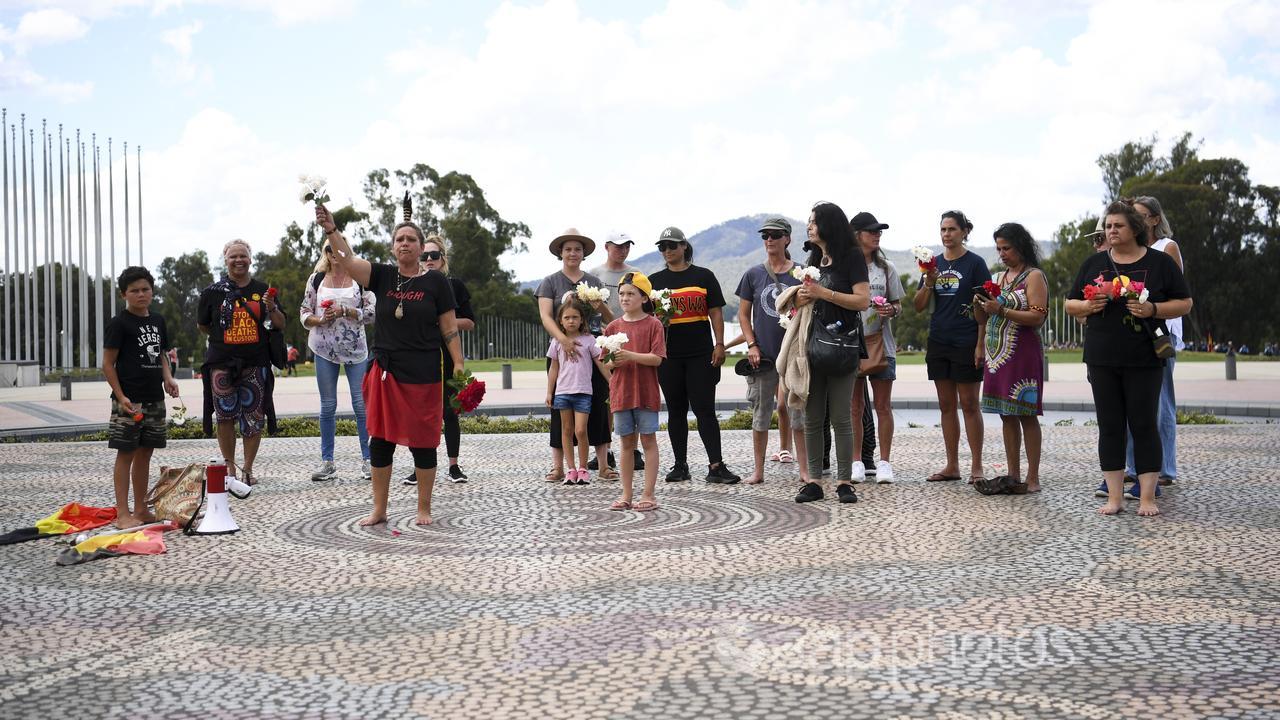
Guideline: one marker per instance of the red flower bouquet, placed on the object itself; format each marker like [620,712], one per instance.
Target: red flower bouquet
[468,392]
[991,289]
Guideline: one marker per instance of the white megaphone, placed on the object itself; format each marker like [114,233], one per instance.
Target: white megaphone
[217,518]
[238,488]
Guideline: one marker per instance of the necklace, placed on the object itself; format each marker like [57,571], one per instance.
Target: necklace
[401,283]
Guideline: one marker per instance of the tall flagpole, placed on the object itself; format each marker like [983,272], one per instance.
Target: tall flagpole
[111,224]
[82,308]
[126,204]
[5,325]
[47,305]
[97,262]
[28,297]
[63,190]
[33,317]
[139,170]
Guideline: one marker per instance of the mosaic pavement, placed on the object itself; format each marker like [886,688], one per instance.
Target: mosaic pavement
[527,599]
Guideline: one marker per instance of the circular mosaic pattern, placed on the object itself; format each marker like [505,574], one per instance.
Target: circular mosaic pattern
[556,521]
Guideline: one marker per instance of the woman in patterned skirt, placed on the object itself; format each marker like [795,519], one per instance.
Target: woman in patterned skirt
[1013,377]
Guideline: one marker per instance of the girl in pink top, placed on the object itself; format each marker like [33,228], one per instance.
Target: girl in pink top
[569,387]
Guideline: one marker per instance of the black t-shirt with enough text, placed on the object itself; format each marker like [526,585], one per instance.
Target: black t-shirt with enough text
[1114,337]
[695,292]
[142,341]
[244,338]
[403,342]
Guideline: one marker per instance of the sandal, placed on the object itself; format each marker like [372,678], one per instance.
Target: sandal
[784,456]
[554,476]
[974,479]
[620,505]
[939,477]
[607,474]
[249,479]
[776,457]
[645,506]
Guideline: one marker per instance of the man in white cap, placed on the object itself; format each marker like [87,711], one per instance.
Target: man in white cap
[616,249]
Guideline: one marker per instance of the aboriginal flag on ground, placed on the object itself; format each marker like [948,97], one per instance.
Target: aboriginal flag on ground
[144,540]
[72,518]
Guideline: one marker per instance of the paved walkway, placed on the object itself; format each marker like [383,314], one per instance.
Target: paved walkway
[1200,386]
[529,600]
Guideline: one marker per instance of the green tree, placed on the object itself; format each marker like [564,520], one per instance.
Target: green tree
[180,281]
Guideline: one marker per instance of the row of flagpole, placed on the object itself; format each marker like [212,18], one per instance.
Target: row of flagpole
[54,221]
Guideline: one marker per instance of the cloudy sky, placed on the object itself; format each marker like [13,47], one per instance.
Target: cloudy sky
[638,115]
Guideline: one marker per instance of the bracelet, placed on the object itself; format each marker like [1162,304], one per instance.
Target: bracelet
[1153,310]
[751,344]
[833,296]
[1038,308]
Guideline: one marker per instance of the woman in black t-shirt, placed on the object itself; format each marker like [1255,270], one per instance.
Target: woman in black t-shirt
[690,372]
[237,313]
[1124,370]
[841,293]
[402,390]
[436,257]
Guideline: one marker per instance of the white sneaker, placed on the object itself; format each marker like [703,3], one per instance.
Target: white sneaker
[366,471]
[859,472]
[884,472]
[326,471]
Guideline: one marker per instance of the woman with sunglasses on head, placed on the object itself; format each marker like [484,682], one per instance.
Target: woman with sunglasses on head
[953,355]
[695,351]
[434,257]
[402,390]
[840,294]
[1120,347]
[335,309]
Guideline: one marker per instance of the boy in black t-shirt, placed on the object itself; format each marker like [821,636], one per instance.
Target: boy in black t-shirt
[136,362]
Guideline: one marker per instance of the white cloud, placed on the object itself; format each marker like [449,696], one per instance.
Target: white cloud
[180,69]
[44,27]
[16,76]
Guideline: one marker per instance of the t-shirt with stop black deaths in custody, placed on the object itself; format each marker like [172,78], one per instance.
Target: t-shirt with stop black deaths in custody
[695,292]
[141,342]
[401,342]
[245,339]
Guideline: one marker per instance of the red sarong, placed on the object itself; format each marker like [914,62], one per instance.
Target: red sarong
[403,413]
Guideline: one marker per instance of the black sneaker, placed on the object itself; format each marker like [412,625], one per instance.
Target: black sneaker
[455,472]
[412,479]
[639,459]
[809,492]
[612,462]
[679,472]
[722,474]
[593,464]
[826,467]
[846,493]
[869,463]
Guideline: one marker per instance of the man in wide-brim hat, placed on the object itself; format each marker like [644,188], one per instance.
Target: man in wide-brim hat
[571,247]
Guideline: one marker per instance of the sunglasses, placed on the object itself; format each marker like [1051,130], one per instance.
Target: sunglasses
[669,245]
[1098,241]
[431,255]
[772,234]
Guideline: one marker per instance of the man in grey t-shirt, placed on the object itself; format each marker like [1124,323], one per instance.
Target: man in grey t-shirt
[616,249]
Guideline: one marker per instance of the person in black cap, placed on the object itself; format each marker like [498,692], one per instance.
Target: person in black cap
[691,370]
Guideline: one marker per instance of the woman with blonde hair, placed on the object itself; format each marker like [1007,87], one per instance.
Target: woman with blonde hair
[335,309]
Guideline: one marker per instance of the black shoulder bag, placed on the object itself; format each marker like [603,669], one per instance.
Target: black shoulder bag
[830,351]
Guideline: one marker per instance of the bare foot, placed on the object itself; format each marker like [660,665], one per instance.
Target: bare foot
[423,519]
[753,480]
[1033,486]
[373,519]
[145,516]
[126,521]
[1148,509]
[1112,508]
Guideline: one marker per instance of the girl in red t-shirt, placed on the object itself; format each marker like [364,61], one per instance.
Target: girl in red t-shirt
[633,387]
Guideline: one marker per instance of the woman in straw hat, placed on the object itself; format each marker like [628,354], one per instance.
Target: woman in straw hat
[571,247]
[415,318]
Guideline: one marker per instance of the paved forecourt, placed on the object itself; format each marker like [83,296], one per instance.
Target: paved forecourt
[527,599]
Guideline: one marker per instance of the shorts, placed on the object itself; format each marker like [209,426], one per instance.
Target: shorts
[125,433]
[629,422]
[947,362]
[577,402]
[240,395]
[762,398]
[889,373]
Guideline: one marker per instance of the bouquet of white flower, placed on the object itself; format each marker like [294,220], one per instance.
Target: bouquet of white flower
[806,274]
[661,300]
[179,416]
[611,344]
[924,258]
[314,187]
[588,294]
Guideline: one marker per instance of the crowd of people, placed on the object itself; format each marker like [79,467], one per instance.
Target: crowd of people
[820,353]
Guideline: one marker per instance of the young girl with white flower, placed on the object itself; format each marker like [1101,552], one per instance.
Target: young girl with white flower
[633,387]
[569,386]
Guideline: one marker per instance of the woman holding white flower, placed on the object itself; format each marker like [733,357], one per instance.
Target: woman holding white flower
[571,247]
[886,294]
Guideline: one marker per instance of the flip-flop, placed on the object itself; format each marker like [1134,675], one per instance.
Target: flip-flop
[939,477]
[620,505]
[645,506]
[973,479]
[784,456]
[554,476]
[607,474]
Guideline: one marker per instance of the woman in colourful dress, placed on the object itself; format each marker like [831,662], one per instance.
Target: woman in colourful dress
[1013,377]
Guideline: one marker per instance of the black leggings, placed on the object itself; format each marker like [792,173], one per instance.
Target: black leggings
[381,452]
[598,432]
[452,431]
[1127,396]
[690,382]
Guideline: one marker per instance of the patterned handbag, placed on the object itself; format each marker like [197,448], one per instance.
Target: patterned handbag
[178,494]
